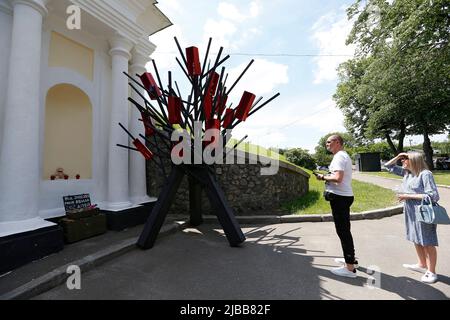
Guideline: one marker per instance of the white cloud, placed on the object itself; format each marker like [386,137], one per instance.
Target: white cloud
[233,29]
[330,33]
[229,11]
[166,47]
[326,117]
[222,31]
[170,5]
[255,9]
[262,78]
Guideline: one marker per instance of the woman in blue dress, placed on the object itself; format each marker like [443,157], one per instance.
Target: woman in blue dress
[418,183]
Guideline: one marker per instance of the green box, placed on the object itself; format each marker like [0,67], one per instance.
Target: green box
[84,228]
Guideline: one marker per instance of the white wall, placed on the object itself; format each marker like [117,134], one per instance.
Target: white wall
[5,45]
[99,91]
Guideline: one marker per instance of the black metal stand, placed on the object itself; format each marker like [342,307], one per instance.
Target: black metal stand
[199,176]
[195,202]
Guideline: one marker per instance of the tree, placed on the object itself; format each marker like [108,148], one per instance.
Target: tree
[301,158]
[368,105]
[323,157]
[408,77]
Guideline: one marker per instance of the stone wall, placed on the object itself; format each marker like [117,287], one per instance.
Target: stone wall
[247,191]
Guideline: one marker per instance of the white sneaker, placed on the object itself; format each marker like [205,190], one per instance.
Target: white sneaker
[429,277]
[415,267]
[342,261]
[344,272]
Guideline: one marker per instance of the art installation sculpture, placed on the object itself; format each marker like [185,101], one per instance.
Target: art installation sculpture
[206,108]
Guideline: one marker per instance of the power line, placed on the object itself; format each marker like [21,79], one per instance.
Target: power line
[272,54]
[289,124]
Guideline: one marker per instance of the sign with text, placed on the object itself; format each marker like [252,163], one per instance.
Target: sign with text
[77,202]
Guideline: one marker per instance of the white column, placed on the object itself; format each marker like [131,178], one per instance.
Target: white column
[118,183]
[138,177]
[19,154]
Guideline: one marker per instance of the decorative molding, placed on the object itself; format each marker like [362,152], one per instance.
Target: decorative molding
[138,61]
[120,45]
[38,5]
[6,7]
[120,17]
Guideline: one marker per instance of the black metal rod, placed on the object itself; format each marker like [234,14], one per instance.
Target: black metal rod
[128,132]
[206,56]
[151,110]
[148,104]
[181,51]
[126,147]
[185,72]
[153,145]
[235,146]
[161,160]
[264,104]
[158,77]
[240,77]
[256,110]
[216,66]
[214,105]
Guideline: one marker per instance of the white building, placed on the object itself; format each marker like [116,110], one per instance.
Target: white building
[62,95]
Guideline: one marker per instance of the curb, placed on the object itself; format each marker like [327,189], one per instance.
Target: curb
[60,275]
[366,215]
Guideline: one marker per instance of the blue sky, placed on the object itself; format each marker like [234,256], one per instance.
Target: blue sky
[315,30]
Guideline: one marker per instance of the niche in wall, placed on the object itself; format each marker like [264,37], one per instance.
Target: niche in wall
[68,132]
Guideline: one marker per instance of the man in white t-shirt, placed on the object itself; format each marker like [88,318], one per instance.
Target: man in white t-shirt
[340,194]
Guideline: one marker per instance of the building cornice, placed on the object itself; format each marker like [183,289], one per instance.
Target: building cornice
[5,7]
[38,5]
[116,15]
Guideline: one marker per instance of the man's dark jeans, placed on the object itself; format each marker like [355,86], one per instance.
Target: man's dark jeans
[340,207]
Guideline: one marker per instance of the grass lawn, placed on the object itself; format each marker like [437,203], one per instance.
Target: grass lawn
[440,176]
[367,197]
[255,149]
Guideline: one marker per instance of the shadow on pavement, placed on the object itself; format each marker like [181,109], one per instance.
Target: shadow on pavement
[198,264]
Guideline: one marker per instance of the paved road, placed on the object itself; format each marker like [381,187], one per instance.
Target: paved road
[285,261]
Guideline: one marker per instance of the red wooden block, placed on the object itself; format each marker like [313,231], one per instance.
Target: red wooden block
[193,61]
[175,105]
[148,155]
[245,105]
[150,84]
[213,82]
[213,124]
[148,125]
[221,102]
[207,106]
[228,118]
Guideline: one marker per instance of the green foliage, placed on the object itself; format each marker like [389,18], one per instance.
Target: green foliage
[301,158]
[382,147]
[399,83]
[444,147]
[323,157]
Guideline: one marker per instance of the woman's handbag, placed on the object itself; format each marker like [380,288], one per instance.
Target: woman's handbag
[431,213]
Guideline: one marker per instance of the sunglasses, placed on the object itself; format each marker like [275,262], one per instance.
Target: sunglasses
[404,159]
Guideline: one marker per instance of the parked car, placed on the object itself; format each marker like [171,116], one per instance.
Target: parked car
[442,163]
